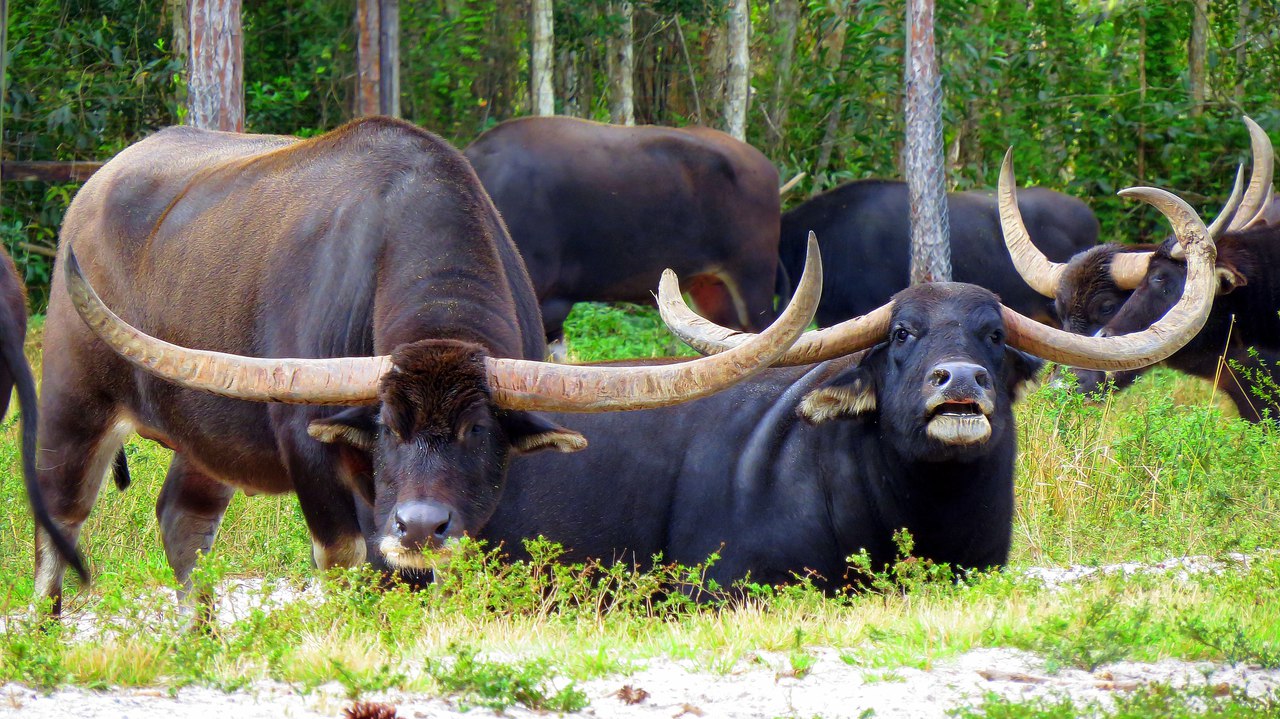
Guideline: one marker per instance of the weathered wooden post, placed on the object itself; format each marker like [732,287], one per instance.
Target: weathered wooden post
[925,162]
[215,73]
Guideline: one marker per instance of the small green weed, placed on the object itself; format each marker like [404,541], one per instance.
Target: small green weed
[1105,631]
[1155,701]
[498,686]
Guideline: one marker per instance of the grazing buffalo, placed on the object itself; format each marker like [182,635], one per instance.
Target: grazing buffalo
[794,471]
[863,228]
[366,269]
[599,210]
[1093,291]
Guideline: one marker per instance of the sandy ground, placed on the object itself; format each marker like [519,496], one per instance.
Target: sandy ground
[761,685]
[757,688]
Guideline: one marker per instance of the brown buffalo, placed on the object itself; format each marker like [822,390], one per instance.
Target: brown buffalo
[271,282]
[599,210]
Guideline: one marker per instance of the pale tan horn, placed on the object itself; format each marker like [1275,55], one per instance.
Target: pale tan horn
[1037,270]
[1131,351]
[515,384]
[1260,181]
[816,346]
[1158,341]
[1224,218]
[346,380]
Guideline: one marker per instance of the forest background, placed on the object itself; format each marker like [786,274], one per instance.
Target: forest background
[1093,95]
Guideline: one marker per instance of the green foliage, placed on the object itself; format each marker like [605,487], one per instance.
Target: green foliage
[602,332]
[1152,702]
[1105,631]
[497,686]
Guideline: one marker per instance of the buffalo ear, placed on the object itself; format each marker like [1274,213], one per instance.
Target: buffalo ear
[356,426]
[848,394]
[1229,278]
[1021,373]
[355,433]
[530,432]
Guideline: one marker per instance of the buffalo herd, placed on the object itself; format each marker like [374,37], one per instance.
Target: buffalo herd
[361,318]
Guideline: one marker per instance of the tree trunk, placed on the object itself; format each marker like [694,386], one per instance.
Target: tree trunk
[1197,51]
[622,108]
[215,78]
[541,65]
[368,57]
[389,58]
[786,15]
[926,169]
[835,66]
[567,64]
[4,62]
[1242,55]
[737,77]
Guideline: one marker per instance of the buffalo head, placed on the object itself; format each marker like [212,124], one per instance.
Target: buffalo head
[1089,290]
[943,383]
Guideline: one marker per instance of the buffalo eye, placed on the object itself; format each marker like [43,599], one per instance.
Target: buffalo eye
[901,335]
[997,337]
[1107,308]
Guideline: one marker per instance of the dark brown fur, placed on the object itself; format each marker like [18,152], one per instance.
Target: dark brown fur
[599,211]
[354,243]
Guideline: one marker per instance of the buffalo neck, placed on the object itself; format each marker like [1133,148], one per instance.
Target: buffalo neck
[959,512]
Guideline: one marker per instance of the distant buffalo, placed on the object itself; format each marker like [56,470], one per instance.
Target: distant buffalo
[598,211]
[864,230]
[1117,289]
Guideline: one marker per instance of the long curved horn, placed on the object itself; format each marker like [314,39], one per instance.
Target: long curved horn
[1158,341]
[1036,269]
[527,385]
[1125,352]
[515,384]
[347,380]
[1228,213]
[816,346]
[1260,181]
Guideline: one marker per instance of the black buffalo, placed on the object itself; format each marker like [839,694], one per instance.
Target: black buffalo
[364,268]
[1095,292]
[800,468]
[598,211]
[863,228]
[793,472]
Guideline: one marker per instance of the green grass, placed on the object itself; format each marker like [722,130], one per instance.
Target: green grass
[1161,470]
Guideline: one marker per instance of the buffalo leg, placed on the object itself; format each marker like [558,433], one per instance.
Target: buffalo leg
[78,438]
[752,288]
[190,510]
[327,504]
[554,313]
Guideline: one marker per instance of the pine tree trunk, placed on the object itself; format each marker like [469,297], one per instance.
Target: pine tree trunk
[1197,51]
[389,58]
[835,65]
[622,108]
[1242,55]
[541,66]
[925,163]
[737,79]
[368,57]
[215,78]
[786,15]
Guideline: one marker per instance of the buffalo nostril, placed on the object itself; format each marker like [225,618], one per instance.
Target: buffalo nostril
[983,379]
[421,524]
[940,377]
